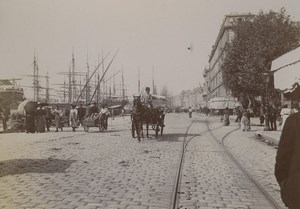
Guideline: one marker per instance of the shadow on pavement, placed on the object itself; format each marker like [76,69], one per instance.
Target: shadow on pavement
[175,137]
[22,166]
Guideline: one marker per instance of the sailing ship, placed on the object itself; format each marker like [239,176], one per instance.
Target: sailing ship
[96,87]
[10,94]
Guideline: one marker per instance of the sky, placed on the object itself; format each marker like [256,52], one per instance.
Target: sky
[151,35]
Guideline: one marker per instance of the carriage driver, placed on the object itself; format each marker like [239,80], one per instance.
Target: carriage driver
[146,98]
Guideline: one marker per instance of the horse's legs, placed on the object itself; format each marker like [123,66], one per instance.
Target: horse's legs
[138,130]
[141,129]
[147,127]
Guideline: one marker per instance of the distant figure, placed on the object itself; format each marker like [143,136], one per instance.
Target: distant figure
[226,117]
[123,112]
[73,117]
[261,119]
[5,116]
[81,114]
[273,116]
[287,167]
[48,117]
[30,122]
[105,112]
[146,98]
[88,110]
[284,113]
[67,114]
[57,113]
[93,108]
[245,122]
[190,112]
[239,114]
[40,121]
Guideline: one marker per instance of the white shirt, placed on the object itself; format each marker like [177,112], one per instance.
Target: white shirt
[104,111]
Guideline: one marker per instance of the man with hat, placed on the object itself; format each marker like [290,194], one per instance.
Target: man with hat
[146,98]
[73,117]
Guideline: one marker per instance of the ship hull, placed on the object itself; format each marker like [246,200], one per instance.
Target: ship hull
[11,98]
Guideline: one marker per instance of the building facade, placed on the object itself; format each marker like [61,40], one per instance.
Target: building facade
[213,73]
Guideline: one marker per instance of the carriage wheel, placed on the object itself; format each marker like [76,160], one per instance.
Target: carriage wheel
[132,130]
[86,128]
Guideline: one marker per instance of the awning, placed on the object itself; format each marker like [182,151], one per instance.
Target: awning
[286,70]
[220,103]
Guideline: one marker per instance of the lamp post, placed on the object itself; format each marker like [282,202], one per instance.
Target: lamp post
[267,108]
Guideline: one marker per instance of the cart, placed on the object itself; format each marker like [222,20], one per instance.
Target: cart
[95,120]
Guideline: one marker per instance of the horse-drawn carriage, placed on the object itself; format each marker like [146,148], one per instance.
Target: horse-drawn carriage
[95,120]
[143,116]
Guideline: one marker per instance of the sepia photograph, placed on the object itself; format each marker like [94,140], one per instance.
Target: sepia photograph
[149,104]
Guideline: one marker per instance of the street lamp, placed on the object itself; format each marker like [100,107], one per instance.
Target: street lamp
[267,108]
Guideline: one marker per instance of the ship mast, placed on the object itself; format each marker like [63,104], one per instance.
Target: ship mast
[47,87]
[153,90]
[73,78]
[70,86]
[87,92]
[139,83]
[123,90]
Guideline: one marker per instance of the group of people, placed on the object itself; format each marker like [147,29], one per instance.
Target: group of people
[41,119]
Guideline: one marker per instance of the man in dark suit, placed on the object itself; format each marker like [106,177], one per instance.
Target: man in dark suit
[287,167]
[81,114]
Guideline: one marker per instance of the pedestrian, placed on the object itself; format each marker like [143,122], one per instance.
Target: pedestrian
[239,113]
[287,167]
[88,110]
[81,113]
[190,112]
[226,121]
[123,112]
[245,122]
[30,122]
[93,108]
[73,117]
[261,119]
[273,116]
[285,113]
[48,117]
[40,121]
[5,117]
[105,112]
[57,114]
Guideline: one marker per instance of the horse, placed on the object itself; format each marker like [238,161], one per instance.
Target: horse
[142,114]
[136,117]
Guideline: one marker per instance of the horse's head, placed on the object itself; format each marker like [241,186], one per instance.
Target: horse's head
[137,104]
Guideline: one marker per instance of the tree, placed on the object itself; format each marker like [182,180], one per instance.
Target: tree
[257,41]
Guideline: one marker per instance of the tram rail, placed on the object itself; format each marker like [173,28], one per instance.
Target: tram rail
[221,143]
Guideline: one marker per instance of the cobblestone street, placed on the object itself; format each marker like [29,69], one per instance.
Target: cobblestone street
[110,170]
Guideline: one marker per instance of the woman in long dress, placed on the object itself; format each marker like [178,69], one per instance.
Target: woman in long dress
[40,120]
[73,117]
[29,123]
[245,120]
[57,114]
